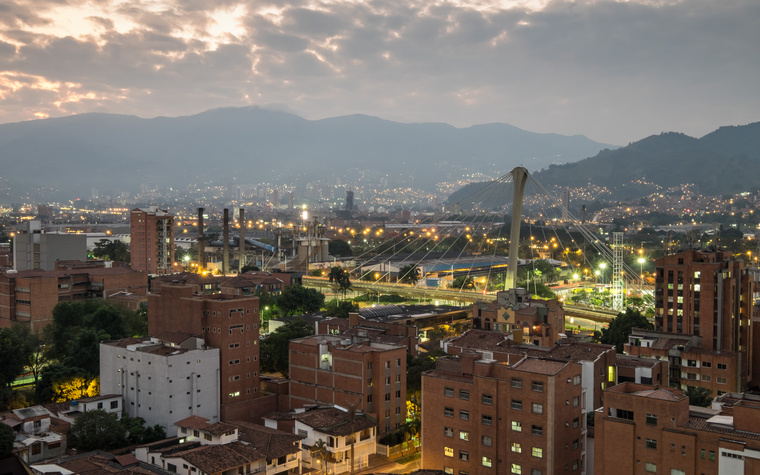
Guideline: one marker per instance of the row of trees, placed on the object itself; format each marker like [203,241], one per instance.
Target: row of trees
[63,362]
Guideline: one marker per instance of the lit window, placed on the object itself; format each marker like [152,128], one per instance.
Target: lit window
[516,468]
[516,447]
[448,451]
[650,467]
[464,435]
[516,426]
[486,462]
[537,452]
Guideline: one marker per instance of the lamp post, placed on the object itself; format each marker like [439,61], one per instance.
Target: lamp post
[641,267]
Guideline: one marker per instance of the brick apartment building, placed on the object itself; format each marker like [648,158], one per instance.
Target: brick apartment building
[243,284]
[483,416]
[227,322]
[646,429]
[29,296]
[345,370]
[151,245]
[598,362]
[703,309]
[536,321]
[387,332]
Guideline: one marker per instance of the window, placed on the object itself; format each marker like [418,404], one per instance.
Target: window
[464,435]
[712,456]
[722,366]
[537,408]
[575,465]
[537,452]
[675,471]
[576,401]
[650,467]
[486,420]
[486,441]
[702,454]
[652,419]
[536,471]
[464,394]
[537,430]
[464,456]
[448,412]
[575,444]
[516,405]
[387,364]
[576,380]
[517,383]
[464,415]
[516,426]
[448,432]
[448,451]
[486,399]
[650,444]
[706,364]
[706,378]
[516,468]
[448,392]
[486,462]
[721,380]
[448,470]
[576,423]
[114,404]
[537,386]
[516,447]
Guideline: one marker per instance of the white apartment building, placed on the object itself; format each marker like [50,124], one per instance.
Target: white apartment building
[162,383]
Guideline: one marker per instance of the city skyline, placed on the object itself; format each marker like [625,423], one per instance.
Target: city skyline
[613,71]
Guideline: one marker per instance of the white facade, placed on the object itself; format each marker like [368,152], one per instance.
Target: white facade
[35,249]
[339,448]
[161,383]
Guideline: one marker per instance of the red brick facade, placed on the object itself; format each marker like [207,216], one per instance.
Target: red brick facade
[481,417]
[227,322]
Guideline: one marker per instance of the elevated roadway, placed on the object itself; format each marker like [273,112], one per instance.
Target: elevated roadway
[596,314]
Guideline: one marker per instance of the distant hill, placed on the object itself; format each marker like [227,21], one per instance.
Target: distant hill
[724,161]
[250,145]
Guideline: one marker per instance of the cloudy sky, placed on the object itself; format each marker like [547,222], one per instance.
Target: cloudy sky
[615,71]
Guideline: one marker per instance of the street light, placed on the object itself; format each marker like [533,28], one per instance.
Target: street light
[641,266]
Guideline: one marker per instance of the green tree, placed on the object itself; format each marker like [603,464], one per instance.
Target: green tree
[339,248]
[320,450]
[274,349]
[340,309]
[463,282]
[248,268]
[339,276]
[7,438]
[137,433]
[417,365]
[295,299]
[699,396]
[98,430]
[409,274]
[111,250]
[622,325]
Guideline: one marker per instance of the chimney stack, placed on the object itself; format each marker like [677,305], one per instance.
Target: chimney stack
[226,244]
[201,243]
[241,243]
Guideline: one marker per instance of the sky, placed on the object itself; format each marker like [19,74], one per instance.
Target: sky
[615,71]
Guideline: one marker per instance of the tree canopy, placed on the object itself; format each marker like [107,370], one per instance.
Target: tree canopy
[621,326]
[7,437]
[98,429]
[339,248]
[339,276]
[463,282]
[409,274]
[296,299]
[111,250]
[340,309]
[274,348]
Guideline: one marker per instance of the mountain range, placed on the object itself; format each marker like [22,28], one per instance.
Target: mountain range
[726,161]
[112,153]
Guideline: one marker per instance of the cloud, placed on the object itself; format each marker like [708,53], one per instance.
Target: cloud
[615,71]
